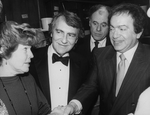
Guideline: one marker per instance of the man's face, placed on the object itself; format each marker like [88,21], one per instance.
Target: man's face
[122,34]
[64,36]
[99,24]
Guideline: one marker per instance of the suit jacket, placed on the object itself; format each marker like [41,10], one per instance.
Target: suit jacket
[39,69]
[83,46]
[103,81]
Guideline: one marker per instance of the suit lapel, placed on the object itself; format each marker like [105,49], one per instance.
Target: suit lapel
[108,41]
[110,77]
[41,62]
[88,47]
[75,76]
[131,80]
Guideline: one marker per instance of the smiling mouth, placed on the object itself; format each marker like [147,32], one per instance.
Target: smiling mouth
[63,45]
[117,42]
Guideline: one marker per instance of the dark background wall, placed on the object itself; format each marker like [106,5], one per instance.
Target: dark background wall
[28,11]
[31,11]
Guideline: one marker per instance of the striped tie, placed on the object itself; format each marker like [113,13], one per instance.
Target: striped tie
[120,73]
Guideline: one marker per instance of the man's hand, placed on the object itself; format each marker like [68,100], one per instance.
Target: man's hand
[58,110]
[69,110]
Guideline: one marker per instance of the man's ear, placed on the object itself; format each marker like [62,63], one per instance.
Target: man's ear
[76,40]
[139,34]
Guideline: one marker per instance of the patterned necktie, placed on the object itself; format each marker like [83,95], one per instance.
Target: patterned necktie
[120,73]
[56,58]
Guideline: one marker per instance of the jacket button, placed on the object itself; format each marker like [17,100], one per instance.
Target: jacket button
[133,104]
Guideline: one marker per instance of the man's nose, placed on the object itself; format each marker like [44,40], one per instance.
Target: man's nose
[98,28]
[64,39]
[116,34]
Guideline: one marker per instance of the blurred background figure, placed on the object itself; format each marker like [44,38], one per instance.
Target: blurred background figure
[99,29]
[1,6]
[19,92]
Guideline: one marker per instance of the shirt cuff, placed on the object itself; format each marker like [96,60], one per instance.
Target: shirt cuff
[78,104]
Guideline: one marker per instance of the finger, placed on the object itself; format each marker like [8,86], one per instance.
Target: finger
[68,110]
[63,108]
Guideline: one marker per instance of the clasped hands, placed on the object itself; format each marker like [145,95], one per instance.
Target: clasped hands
[64,110]
[69,109]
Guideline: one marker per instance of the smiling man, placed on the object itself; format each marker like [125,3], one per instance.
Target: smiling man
[119,80]
[59,71]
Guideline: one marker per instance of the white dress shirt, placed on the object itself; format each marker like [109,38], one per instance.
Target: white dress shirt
[58,79]
[102,43]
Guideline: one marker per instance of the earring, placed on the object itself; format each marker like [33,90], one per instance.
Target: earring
[6,63]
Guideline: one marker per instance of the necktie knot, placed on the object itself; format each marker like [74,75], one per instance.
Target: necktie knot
[96,44]
[122,57]
[63,60]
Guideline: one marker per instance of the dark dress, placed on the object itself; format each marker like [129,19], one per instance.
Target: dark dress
[21,96]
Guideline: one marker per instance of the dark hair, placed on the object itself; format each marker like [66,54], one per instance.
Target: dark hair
[71,19]
[12,34]
[97,7]
[136,12]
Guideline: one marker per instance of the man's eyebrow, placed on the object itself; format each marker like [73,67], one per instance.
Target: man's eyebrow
[123,25]
[119,26]
[111,26]
[104,23]
[58,30]
[73,33]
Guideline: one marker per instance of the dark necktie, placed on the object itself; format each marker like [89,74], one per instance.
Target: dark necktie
[56,58]
[96,45]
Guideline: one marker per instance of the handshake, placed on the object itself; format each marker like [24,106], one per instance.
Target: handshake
[69,109]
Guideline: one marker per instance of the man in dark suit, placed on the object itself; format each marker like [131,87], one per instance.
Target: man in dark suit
[98,23]
[126,57]
[58,71]
[98,38]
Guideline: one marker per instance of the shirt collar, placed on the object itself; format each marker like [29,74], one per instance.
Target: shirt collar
[129,54]
[51,51]
[101,42]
